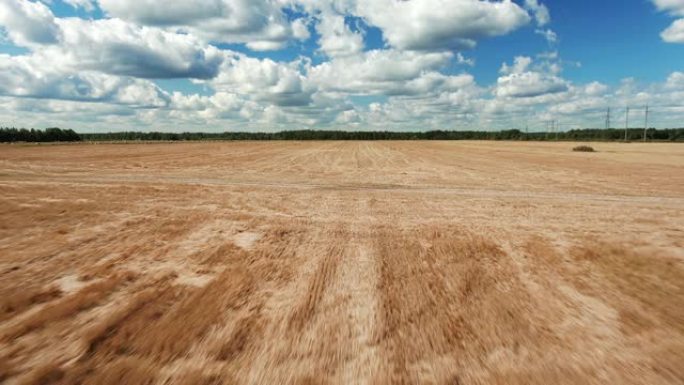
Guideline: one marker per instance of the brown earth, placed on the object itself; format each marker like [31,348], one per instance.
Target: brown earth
[342,263]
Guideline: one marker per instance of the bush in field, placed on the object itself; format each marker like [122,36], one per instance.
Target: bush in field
[583,149]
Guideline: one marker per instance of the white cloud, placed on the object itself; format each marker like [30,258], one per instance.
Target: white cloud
[116,47]
[258,23]
[439,24]
[111,46]
[595,88]
[337,39]
[460,59]
[413,82]
[26,76]
[520,80]
[675,7]
[675,81]
[88,5]
[675,32]
[520,64]
[541,12]
[376,71]
[28,23]
[263,80]
[300,29]
[550,36]
[529,84]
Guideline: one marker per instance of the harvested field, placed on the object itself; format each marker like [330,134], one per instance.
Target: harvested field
[342,263]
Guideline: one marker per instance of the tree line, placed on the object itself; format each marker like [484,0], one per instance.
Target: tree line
[60,135]
[48,135]
[652,134]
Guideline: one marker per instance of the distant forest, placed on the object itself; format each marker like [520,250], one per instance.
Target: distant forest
[62,135]
[47,135]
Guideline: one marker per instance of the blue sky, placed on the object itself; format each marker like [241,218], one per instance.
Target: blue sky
[375,64]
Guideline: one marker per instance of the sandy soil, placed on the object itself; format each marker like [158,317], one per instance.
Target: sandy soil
[342,263]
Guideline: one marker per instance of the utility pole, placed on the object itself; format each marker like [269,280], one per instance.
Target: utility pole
[548,125]
[608,118]
[626,122]
[558,127]
[646,123]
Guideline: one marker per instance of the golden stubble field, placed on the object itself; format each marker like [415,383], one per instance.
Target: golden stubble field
[341,263]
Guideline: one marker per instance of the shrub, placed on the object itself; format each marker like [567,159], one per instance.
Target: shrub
[583,149]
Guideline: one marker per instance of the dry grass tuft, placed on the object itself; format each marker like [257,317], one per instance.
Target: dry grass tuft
[196,377]
[121,371]
[174,333]
[655,281]
[317,286]
[84,299]
[46,375]
[454,294]
[94,336]
[583,149]
[6,369]
[245,330]
[15,300]
[164,322]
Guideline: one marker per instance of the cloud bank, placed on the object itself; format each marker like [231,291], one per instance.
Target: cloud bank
[228,64]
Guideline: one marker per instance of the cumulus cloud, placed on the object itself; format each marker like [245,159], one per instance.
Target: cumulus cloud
[28,77]
[550,36]
[520,64]
[376,71]
[460,59]
[337,39]
[675,81]
[28,23]
[88,5]
[541,12]
[437,24]
[300,29]
[117,47]
[260,24]
[675,32]
[595,88]
[263,80]
[520,81]
[112,46]
[417,78]
[676,7]
[529,84]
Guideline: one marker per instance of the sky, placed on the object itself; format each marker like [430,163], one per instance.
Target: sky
[401,65]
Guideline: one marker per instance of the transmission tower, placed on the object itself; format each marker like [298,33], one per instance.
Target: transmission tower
[626,122]
[608,118]
[646,123]
[558,128]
